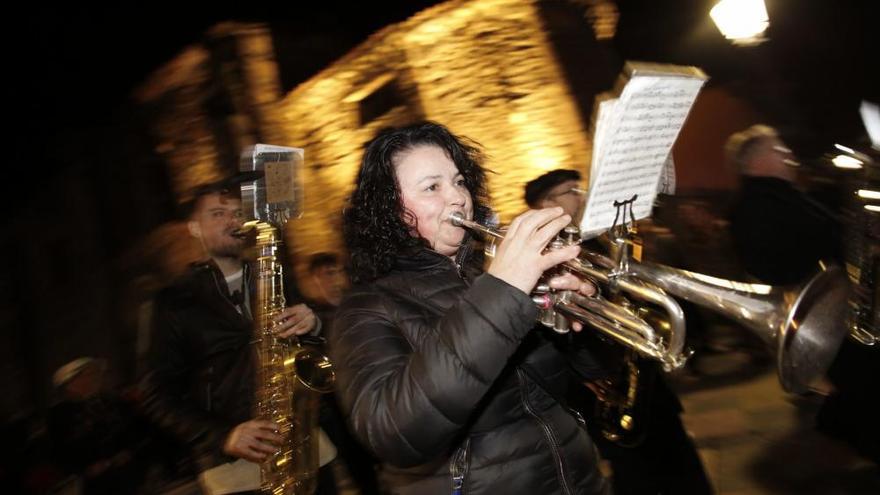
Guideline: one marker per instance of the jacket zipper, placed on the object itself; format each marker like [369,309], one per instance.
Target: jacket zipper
[548,432]
[458,468]
[459,261]
[457,268]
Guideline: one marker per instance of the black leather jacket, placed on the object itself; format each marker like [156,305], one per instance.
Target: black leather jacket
[433,366]
[200,379]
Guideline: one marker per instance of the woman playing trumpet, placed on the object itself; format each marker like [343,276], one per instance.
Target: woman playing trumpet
[439,370]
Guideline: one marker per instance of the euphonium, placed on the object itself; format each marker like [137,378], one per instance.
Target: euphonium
[290,378]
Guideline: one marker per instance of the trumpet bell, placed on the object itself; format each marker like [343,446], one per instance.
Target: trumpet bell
[804,326]
[815,326]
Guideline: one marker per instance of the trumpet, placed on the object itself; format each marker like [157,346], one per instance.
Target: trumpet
[618,322]
[803,326]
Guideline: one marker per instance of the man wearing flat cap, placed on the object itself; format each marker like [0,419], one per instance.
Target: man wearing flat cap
[200,383]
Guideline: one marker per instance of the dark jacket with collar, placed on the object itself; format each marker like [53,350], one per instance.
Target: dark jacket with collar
[200,379]
[431,363]
[779,233]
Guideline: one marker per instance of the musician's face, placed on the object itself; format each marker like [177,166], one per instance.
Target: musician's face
[775,158]
[567,195]
[216,217]
[432,187]
[330,282]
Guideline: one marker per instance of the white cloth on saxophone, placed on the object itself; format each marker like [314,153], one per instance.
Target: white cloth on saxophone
[242,475]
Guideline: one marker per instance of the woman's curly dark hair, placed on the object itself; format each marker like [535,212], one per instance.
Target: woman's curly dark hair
[374,227]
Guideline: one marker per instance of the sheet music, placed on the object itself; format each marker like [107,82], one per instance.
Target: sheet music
[871,118]
[632,143]
[606,109]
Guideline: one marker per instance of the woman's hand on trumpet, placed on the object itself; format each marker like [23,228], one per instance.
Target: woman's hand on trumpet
[567,281]
[521,257]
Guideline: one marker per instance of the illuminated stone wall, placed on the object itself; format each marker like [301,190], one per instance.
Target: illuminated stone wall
[211,101]
[205,106]
[484,68]
[172,99]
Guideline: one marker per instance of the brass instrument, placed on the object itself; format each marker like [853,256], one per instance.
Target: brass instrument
[619,323]
[804,326]
[861,221]
[650,337]
[290,377]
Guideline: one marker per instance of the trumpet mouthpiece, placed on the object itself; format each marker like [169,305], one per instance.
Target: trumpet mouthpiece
[457,219]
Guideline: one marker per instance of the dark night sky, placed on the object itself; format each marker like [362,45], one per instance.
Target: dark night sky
[79,64]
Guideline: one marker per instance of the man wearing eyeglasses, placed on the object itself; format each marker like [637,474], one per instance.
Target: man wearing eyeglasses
[560,187]
[665,460]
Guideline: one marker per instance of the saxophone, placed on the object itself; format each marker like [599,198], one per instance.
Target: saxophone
[290,376]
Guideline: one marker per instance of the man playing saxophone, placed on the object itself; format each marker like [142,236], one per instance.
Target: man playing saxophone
[200,383]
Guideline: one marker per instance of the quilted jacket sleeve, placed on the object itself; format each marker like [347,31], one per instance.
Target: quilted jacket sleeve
[407,404]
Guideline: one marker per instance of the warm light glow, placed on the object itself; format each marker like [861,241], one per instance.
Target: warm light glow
[485,68]
[873,208]
[845,149]
[868,194]
[846,161]
[603,16]
[732,284]
[742,21]
[369,88]
[543,160]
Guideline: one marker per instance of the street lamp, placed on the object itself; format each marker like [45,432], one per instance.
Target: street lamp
[741,21]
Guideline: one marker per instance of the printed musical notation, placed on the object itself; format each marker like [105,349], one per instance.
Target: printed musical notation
[633,138]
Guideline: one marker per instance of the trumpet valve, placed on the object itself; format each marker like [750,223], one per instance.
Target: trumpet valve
[561,324]
[542,298]
[571,235]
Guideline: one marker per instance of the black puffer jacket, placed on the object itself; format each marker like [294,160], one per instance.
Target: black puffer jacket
[432,366]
